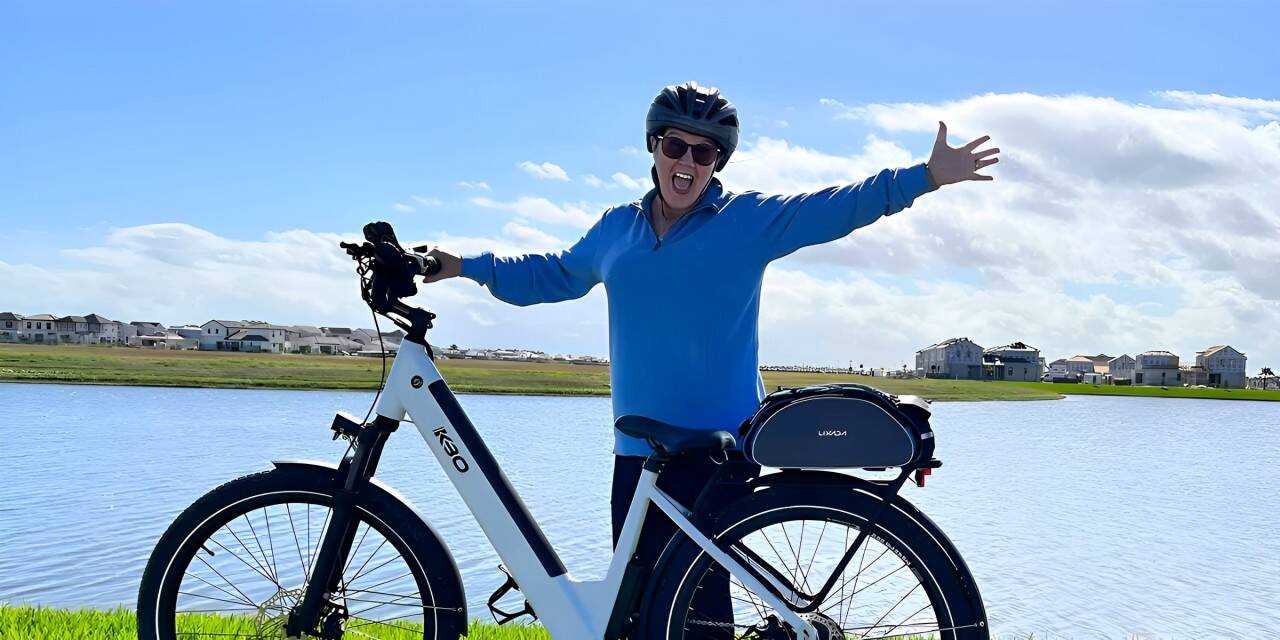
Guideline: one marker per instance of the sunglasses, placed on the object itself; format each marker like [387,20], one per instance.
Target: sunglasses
[674,148]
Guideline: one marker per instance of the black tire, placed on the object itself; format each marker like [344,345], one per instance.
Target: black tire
[211,523]
[671,610]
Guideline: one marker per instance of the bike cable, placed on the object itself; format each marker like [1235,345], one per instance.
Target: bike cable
[382,379]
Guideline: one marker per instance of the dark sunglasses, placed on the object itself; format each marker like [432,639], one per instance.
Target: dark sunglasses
[674,148]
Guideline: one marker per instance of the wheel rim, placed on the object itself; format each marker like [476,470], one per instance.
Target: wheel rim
[243,569]
[884,592]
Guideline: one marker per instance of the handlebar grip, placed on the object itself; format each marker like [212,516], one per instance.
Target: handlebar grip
[431,266]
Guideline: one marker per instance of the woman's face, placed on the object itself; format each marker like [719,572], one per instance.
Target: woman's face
[682,179]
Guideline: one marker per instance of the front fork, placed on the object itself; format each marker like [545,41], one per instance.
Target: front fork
[335,544]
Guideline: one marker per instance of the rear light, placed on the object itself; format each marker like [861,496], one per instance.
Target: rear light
[921,474]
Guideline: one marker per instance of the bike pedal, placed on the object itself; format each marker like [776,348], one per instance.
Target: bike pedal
[503,617]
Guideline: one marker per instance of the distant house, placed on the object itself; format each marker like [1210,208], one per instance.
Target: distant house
[104,330]
[1223,365]
[10,327]
[305,331]
[1016,361]
[41,328]
[148,328]
[189,331]
[244,335]
[75,330]
[1121,369]
[1101,363]
[1156,369]
[957,358]
[326,345]
[1080,365]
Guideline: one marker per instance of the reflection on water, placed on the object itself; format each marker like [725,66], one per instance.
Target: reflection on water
[1084,517]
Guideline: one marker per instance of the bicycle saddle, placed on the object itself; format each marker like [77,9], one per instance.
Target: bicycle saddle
[672,440]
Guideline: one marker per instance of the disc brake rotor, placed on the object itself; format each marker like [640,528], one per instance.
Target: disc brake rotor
[273,613]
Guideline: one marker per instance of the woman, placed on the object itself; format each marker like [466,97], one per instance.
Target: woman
[683,267]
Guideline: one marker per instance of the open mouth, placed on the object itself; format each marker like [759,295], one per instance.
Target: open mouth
[682,182]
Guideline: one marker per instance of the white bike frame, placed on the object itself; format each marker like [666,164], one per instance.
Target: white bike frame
[568,608]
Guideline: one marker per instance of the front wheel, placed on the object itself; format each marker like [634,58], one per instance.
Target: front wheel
[236,562]
[903,582]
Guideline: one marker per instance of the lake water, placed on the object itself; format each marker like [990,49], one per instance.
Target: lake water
[1080,518]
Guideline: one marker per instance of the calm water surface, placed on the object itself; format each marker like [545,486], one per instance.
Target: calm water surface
[1081,518]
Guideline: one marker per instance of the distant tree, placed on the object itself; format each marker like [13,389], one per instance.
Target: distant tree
[1266,375]
[453,347]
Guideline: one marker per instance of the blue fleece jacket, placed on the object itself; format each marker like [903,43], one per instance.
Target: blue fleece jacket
[684,309]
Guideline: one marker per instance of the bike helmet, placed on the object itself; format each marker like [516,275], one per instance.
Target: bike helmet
[699,110]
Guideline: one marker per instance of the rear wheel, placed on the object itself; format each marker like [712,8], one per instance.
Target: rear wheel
[237,561]
[901,583]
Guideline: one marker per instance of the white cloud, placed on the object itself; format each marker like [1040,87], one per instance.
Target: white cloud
[627,182]
[631,151]
[402,207]
[427,202]
[1097,206]
[544,171]
[592,181]
[475,186]
[1244,108]
[544,210]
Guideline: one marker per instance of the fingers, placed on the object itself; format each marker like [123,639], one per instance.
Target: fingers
[976,143]
[942,134]
[986,152]
[985,163]
[981,177]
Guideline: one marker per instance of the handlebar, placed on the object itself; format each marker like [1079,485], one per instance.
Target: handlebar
[387,273]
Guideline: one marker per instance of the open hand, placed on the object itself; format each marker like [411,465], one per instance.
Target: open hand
[948,165]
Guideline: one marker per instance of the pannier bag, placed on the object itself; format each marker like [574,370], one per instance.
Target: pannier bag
[838,426]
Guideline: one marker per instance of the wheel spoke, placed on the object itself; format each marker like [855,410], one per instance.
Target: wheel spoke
[306,576]
[274,576]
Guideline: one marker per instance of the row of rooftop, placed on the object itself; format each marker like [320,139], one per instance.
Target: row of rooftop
[962,358]
[251,336]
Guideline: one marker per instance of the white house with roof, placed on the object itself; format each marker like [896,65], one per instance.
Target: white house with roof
[105,331]
[956,358]
[244,335]
[40,328]
[1015,361]
[1157,369]
[1121,368]
[1224,366]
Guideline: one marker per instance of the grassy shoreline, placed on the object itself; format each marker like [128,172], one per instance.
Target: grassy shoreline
[41,623]
[85,364]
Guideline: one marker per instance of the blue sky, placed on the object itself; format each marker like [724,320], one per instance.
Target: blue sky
[244,119]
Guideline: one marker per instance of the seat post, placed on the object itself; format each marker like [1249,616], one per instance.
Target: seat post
[656,461]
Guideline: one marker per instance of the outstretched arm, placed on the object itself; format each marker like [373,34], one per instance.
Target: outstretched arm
[530,278]
[792,222]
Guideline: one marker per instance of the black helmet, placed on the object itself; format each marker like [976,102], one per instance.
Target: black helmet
[699,110]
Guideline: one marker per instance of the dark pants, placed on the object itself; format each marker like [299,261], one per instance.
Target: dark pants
[682,479]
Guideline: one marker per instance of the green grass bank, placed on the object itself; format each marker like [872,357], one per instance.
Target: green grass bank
[38,623]
[84,364]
